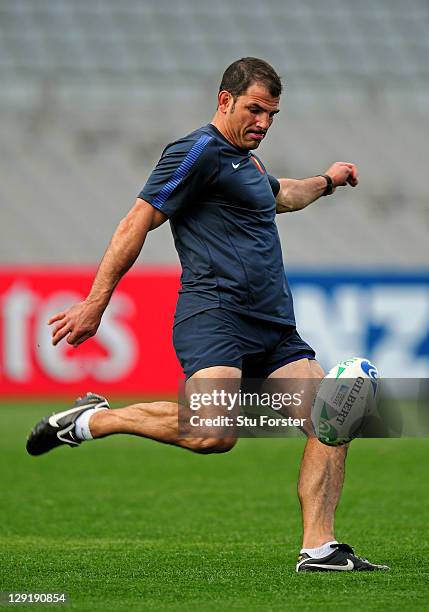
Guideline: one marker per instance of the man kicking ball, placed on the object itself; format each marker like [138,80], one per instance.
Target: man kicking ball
[234,316]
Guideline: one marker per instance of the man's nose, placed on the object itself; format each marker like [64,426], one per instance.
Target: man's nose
[263,121]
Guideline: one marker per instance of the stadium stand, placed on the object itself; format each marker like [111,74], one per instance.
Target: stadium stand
[91,91]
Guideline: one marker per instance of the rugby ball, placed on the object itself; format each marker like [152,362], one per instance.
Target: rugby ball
[345,396]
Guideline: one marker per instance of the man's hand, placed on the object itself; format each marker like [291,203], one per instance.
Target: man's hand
[296,194]
[77,323]
[343,173]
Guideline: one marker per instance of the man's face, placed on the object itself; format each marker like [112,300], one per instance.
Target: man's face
[248,118]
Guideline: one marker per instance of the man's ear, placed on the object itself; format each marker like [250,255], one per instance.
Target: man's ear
[224,100]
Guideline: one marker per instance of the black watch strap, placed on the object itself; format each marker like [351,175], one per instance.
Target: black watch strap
[329,185]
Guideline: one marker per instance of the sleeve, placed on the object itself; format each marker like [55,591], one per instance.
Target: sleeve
[185,168]
[275,185]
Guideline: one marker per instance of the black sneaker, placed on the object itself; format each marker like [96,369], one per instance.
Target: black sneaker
[58,429]
[341,559]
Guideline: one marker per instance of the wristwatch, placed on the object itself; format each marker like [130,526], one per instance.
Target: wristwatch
[329,185]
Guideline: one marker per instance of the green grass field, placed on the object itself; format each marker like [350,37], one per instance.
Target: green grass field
[128,524]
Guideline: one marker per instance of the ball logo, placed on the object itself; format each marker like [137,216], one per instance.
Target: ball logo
[372,373]
[348,362]
[369,369]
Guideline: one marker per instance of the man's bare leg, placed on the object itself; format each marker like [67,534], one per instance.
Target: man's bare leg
[159,420]
[319,488]
[322,471]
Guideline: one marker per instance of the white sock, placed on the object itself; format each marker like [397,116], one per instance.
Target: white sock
[320,551]
[81,426]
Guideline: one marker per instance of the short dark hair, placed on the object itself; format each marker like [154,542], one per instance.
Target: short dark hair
[246,71]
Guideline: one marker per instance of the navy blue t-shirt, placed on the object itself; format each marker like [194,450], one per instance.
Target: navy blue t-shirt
[221,206]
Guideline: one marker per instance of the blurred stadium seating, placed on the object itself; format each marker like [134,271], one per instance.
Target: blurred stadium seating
[92,90]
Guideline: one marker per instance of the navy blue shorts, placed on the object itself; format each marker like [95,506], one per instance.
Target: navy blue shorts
[218,337]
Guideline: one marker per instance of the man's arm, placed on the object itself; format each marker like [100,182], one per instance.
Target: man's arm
[296,194]
[81,321]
